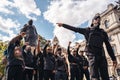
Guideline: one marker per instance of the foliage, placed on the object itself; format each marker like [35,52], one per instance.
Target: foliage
[42,41]
[3,46]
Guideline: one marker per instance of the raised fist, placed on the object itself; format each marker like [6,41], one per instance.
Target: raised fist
[69,43]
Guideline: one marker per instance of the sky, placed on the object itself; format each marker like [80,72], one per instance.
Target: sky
[45,14]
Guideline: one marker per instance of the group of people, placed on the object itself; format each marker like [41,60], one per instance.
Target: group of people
[52,63]
[49,63]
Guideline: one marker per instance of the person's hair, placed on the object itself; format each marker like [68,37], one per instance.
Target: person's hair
[30,22]
[95,18]
[59,49]
[17,48]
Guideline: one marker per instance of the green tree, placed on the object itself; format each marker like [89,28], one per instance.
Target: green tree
[43,41]
[3,46]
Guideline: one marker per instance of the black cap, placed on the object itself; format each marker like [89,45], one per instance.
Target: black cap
[96,17]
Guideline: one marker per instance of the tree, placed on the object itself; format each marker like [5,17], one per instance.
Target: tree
[3,47]
[43,41]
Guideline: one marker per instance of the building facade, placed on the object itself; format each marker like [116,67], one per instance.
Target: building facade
[110,22]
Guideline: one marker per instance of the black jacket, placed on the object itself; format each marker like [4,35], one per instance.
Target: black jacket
[86,32]
[84,61]
[74,59]
[28,58]
[60,63]
[40,61]
[49,60]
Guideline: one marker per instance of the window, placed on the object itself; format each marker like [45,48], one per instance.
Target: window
[110,38]
[106,23]
[119,19]
[114,49]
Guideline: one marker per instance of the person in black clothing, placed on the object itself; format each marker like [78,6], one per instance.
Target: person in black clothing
[49,62]
[61,65]
[75,63]
[95,37]
[15,65]
[85,65]
[40,62]
[29,63]
[35,74]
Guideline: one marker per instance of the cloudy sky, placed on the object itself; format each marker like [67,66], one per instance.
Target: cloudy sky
[46,13]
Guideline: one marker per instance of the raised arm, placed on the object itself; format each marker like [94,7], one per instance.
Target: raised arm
[12,44]
[56,48]
[44,50]
[68,50]
[79,30]
[38,46]
[17,39]
[78,47]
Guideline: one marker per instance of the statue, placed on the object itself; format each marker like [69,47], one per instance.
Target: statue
[31,33]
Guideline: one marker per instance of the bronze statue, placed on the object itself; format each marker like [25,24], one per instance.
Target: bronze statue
[31,33]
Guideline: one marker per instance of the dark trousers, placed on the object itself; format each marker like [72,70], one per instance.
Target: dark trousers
[60,75]
[36,75]
[48,74]
[75,73]
[86,73]
[28,74]
[98,67]
[15,73]
[41,74]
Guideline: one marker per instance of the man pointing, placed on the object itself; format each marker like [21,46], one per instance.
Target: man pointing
[95,37]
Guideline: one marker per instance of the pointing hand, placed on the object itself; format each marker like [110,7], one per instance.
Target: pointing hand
[59,24]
